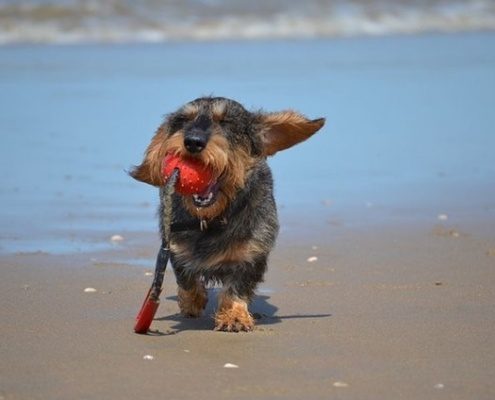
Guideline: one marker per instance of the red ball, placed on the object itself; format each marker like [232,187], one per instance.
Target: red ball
[194,176]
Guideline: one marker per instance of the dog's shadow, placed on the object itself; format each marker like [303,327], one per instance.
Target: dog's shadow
[262,310]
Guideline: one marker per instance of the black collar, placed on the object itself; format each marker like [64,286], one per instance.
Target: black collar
[197,224]
[216,224]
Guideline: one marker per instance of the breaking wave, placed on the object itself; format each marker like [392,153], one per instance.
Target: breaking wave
[79,21]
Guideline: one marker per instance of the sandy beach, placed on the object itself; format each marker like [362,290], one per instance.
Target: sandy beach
[398,313]
[382,283]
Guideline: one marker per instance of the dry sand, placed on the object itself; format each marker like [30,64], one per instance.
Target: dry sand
[381,314]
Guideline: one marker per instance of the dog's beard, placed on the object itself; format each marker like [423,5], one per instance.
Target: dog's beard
[229,172]
[223,191]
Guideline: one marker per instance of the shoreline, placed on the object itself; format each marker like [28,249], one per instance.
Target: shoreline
[444,210]
[257,41]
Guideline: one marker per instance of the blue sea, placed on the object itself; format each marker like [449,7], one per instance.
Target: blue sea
[410,132]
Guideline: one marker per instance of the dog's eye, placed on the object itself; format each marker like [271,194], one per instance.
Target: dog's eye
[178,122]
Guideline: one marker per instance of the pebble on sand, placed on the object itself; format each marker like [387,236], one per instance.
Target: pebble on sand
[444,232]
[89,290]
[116,238]
[312,259]
[148,357]
[230,365]
[340,384]
[490,252]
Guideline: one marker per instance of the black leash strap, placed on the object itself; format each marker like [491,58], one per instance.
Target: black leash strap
[164,253]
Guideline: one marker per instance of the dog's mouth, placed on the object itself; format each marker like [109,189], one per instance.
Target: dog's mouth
[208,197]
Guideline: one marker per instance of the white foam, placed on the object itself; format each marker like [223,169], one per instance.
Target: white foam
[145,21]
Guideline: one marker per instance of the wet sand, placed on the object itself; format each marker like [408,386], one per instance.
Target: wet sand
[388,314]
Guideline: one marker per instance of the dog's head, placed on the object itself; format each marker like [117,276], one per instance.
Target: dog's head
[226,137]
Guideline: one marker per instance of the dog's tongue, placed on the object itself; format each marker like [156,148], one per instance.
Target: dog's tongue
[194,176]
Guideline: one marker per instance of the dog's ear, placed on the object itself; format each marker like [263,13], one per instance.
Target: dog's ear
[150,170]
[284,129]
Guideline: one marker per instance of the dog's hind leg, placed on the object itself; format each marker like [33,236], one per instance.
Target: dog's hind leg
[192,295]
[192,301]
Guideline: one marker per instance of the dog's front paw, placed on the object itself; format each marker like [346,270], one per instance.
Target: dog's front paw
[233,316]
[192,302]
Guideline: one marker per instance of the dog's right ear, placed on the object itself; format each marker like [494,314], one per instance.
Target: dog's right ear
[284,129]
[150,170]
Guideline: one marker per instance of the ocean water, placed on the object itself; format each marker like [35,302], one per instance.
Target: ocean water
[75,21]
[410,130]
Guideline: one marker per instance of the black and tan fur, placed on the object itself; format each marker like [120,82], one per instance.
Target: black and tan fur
[228,241]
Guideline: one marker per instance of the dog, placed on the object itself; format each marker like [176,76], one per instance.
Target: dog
[223,236]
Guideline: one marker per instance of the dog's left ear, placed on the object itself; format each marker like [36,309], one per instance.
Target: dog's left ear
[150,170]
[284,129]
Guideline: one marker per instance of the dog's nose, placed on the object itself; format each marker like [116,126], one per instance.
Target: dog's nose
[195,143]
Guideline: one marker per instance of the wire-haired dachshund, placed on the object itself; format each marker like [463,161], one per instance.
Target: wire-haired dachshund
[225,234]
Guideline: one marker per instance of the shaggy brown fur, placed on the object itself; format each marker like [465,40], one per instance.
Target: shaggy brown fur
[226,234]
